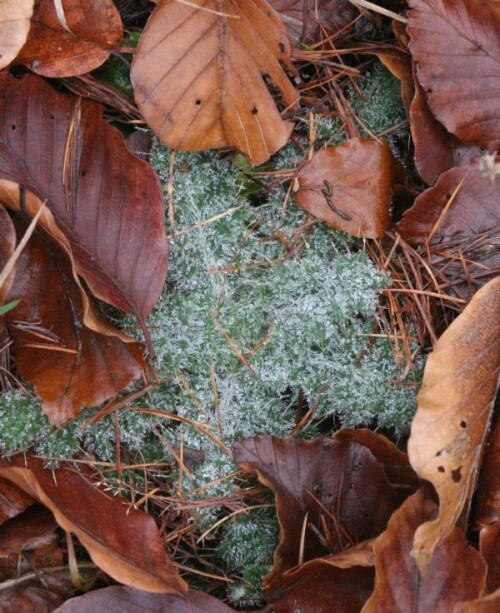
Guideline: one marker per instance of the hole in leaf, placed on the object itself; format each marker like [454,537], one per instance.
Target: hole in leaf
[456,474]
[440,469]
[282,47]
[198,102]
[13,127]
[255,110]
[463,424]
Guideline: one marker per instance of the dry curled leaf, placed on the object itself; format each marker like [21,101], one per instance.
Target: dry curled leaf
[12,501]
[487,604]
[456,572]
[68,351]
[349,187]
[473,211]
[457,50]
[119,599]
[487,507]
[122,541]
[71,37]
[436,150]
[203,75]
[329,482]
[455,403]
[14,27]
[319,587]
[107,202]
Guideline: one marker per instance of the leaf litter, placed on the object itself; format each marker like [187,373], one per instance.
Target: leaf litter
[441,259]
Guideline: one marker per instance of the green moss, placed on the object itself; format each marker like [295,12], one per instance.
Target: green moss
[380,107]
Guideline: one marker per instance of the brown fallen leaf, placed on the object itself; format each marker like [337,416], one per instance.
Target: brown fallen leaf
[32,568]
[396,465]
[122,541]
[457,50]
[455,404]
[349,187]
[14,27]
[71,37]
[456,573]
[319,587]
[107,202]
[487,505]
[119,599]
[487,604]
[13,501]
[7,246]
[307,21]
[63,346]
[463,233]
[329,494]
[203,75]
[436,150]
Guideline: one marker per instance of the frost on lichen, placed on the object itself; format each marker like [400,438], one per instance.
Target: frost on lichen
[379,106]
[256,310]
[261,307]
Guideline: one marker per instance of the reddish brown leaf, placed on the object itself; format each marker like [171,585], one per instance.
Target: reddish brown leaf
[324,585]
[487,506]
[396,464]
[121,540]
[349,187]
[107,202]
[14,27]
[308,21]
[436,150]
[488,604]
[29,554]
[118,599]
[355,497]
[62,344]
[35,596]
[474,211]
[223,58]
[12,501]
[455,404]
[71,37]
[489,546]
[32,535]
[457,571]
[457,50]
[7,246]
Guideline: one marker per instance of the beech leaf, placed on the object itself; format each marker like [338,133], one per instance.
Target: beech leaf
[355,497]
[68,351]
[7,247]
[463,231]
[487,604]
[457,571]
[349,187]
[487,506]
[14,27]
[71,37]
[455,403]
[119,599]
[320,587]
[202,74]
[12,501]
[457,50]
[107,202]
[121,540]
